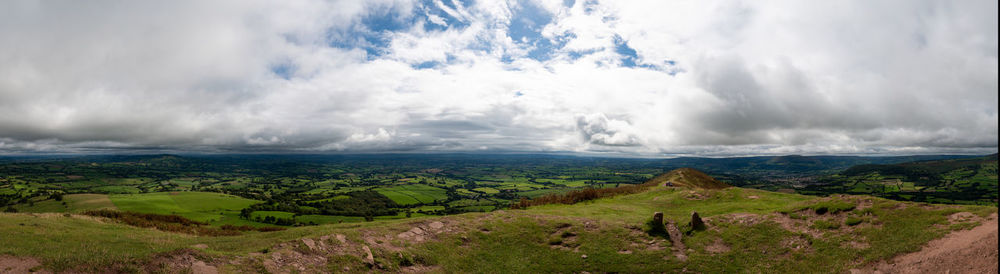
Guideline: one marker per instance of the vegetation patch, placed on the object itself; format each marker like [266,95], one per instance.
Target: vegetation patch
[830,206]
[173,223]
[853,221]
[824,224]
[577,196]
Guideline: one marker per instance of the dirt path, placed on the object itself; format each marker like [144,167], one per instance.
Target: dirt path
[966,251]
[677,243]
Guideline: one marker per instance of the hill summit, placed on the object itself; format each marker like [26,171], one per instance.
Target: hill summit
[688,177]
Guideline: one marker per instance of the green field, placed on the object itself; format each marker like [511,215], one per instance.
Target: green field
[413,194]
[487,190]
[73,203]
[209,207]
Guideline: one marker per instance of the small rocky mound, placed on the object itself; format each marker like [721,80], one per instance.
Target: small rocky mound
[690,178]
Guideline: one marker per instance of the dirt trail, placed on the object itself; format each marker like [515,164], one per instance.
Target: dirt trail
[965,251]
[675,239]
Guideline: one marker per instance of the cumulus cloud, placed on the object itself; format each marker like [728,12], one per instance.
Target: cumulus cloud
[632,77]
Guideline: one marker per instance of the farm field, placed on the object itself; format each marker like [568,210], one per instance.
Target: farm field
[413,194]
[199,206]
[959,181]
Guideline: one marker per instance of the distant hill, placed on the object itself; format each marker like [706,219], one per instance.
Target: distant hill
[967,180]
[689,177]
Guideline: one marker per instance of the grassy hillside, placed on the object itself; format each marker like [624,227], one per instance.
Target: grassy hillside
[74,203]
[748,231]
[690,178]
[963,181]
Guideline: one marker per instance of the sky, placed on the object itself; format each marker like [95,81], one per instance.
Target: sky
[649,78]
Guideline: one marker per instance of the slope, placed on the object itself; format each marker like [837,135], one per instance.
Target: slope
[748,231]
[961,181]
[690,178]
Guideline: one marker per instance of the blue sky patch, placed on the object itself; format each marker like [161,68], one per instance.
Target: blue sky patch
[427,65]
[285,70]
[629,55]
[527,23]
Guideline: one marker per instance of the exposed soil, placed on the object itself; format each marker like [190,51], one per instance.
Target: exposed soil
[678,243]
[964,251]
[10,264]
[181,260]
[718,246]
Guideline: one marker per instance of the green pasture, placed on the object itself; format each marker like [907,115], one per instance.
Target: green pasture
[210,207]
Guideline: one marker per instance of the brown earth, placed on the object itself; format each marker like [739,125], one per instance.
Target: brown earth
[9,264]
[964,251]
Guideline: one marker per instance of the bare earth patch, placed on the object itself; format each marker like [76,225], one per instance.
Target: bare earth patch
[964,251]
[717,247]
[9,264]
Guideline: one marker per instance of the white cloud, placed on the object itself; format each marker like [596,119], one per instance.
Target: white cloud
[721,78]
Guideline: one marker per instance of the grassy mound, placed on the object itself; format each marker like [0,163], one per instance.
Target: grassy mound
[690,178]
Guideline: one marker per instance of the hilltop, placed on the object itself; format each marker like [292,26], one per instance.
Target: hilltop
[690,178]
[747,231]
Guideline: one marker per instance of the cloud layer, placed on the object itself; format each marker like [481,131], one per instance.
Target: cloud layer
[629,77]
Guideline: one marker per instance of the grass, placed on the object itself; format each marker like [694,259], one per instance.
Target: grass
[853,221]
[676,204]
[413,194]
[214,208]
[74,203]
[824,224]
[829,206]
[547,238]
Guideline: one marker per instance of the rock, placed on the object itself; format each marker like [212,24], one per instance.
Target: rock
[681,257]
[405,235]
[436,225]
[341,238]
[583,256]
[324,238]
[658,219]
[417,231]
[369,258]
[199,267]
[309,243]
[696,222]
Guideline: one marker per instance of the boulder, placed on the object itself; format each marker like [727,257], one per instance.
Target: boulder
[369,258]
[696,222]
